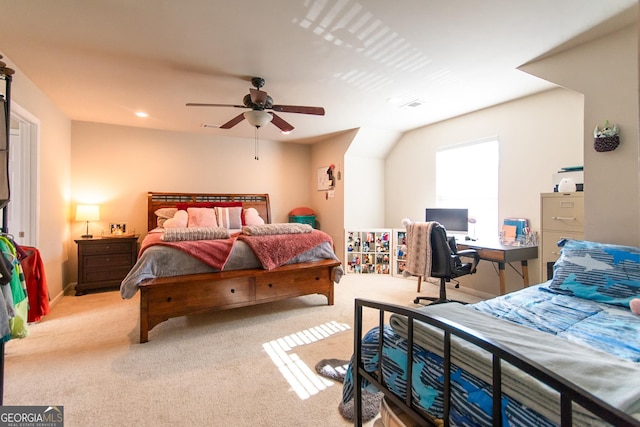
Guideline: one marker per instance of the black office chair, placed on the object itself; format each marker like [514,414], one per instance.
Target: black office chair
[446,263]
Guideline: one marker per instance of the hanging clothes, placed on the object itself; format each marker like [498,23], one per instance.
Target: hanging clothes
[36,282]
[17,323]
[7,310]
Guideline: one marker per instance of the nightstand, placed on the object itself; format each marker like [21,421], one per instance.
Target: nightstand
[104,261]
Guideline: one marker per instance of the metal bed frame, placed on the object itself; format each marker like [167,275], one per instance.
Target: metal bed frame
[569,393]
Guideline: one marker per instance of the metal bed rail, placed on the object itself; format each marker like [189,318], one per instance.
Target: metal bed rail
[569,393]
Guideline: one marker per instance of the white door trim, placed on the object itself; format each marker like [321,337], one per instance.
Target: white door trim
[30,190]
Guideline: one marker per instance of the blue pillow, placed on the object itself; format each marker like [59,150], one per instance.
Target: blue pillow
[597,271]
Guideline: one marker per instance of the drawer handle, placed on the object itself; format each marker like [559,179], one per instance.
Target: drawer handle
[564,218]
[169,299]
[270,285]
[317,278]
[233,291]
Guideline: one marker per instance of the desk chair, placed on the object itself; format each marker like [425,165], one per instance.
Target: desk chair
[446,263]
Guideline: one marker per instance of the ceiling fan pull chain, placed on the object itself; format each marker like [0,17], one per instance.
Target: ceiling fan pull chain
[256,145]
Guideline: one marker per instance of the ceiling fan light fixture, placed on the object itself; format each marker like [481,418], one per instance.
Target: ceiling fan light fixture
[257,118]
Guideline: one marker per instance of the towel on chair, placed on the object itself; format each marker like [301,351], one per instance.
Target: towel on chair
[418,249]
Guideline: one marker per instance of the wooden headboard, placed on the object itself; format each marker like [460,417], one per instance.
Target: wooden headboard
[168,200]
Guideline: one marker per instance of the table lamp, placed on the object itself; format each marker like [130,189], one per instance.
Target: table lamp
[87,213]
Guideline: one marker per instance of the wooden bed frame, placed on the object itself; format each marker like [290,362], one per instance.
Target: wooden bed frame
[164,298]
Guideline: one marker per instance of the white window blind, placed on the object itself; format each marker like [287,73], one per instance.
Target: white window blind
[467,177]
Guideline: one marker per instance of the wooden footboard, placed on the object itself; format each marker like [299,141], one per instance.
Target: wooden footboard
[164,298]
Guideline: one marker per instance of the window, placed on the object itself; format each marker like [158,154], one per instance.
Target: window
[467,177]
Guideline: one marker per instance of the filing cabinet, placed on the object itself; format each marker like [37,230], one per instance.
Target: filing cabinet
[562,216]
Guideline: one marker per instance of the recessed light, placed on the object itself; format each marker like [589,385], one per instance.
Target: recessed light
[142,114]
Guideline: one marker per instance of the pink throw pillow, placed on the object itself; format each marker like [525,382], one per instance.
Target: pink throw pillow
[202,217]
[179,220]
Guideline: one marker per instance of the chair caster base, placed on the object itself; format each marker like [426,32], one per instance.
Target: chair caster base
[436,301]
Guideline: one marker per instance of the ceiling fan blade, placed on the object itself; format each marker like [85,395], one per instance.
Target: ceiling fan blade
[281,123]
[231,123]
[258,96]
[319,111]
[195,104]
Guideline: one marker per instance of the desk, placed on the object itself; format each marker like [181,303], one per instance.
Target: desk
[496,252]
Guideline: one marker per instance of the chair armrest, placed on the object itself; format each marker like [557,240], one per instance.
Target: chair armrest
[470,253]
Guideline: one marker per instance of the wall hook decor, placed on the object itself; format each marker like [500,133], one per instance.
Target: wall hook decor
[606,138]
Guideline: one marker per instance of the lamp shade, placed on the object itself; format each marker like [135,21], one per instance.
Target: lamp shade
[257,118]
[87,213]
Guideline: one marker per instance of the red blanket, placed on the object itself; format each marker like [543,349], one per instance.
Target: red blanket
[212,252]
[274,251]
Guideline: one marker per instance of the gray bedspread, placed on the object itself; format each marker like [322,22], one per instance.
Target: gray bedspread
[613,380]
[163,261]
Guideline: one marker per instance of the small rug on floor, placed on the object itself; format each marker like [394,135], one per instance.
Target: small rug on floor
[370,406]
[334,369]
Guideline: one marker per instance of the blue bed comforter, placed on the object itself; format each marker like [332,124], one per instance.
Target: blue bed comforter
[605,328]
[609,328]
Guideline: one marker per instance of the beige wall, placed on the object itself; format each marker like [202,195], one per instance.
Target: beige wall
[330,210]
[606,72]
[53,178]
[538,135]
[365,169]
[116,166]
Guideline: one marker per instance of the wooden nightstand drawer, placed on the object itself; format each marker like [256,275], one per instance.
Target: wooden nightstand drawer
[104,262]
[108,261]
[113,274]
[108,248]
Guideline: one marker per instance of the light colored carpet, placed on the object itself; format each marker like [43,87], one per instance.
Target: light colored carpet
[209,369]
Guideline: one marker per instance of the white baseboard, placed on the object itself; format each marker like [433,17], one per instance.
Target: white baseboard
[68,290]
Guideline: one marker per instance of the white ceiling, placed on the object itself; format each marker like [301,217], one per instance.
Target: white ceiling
[103,60]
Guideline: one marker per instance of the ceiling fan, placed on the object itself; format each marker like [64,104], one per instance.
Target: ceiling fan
[259,101]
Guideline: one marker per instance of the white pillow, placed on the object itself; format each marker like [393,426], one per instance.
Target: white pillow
[252,217]
[179,220]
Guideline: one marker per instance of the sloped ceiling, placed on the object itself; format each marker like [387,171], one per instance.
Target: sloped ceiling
[102,61]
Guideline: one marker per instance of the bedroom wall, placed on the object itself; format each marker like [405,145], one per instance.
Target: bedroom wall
[538,135]
[53,178]
[116,166]
[330,211]
[365,173]
[606,72]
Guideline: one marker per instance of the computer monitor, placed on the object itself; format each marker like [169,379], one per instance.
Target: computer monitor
[455,220]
